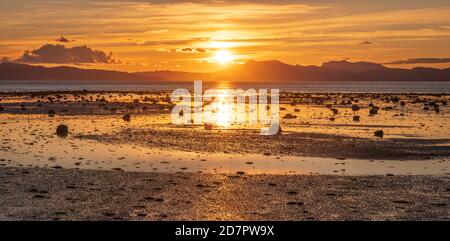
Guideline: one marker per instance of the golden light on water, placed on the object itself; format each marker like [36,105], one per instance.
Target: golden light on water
[226,112]
[224,108]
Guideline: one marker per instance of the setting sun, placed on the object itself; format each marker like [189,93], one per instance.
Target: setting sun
[223,57]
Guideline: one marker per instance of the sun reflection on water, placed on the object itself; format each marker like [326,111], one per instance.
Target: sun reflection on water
[223,108]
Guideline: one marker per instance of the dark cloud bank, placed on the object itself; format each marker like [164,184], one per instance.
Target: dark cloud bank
[59,54]
[421,61]
[63,39]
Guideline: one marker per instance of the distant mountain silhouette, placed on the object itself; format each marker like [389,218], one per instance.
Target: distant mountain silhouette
[14,71]
[276,71]
[352,67]
[252,71]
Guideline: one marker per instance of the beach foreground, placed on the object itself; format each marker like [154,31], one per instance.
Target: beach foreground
[50,194]
[121,158]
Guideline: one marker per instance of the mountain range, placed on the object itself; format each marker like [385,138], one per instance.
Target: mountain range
[252,71]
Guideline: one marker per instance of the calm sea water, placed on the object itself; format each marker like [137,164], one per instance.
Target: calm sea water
[307,87]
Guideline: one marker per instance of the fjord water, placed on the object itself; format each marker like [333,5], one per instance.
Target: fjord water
[307,87]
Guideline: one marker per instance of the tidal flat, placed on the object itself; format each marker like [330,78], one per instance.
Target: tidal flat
[339,156]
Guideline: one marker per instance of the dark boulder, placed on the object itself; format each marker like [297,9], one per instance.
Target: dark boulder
[126,117]
[379,133]
[51,113]
[355,108]
[62,131]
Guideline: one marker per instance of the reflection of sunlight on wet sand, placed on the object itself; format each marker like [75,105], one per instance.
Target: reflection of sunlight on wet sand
[72,152]
[225,112]
[29,139]
[223,109]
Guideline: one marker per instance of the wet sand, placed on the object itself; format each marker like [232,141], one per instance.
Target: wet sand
[48,194]
[289,143]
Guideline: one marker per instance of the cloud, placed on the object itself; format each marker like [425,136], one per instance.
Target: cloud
[421,61]
[62,39]
[173,42]
[59,54]
[366,42]
[195,50]
[224,1]
[201,50]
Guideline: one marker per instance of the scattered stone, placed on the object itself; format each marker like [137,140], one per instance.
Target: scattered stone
[51,113]
[126,117]
[289,116]
[208,126]
[295,203]
[62,131]
[379,133]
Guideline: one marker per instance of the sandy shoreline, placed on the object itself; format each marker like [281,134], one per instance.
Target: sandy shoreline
[68,194]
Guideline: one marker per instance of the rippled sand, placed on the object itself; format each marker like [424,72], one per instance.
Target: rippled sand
[108,195]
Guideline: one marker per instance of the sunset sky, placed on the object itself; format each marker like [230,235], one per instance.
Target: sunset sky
[207,35]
